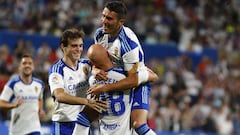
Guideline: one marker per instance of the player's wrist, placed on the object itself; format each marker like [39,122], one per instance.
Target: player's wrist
[15,105]
[89,101]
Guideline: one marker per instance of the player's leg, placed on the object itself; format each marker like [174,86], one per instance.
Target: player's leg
[140,109]
[84,120]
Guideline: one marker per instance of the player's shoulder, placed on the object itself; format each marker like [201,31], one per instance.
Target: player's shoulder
[38,80]
[57,66]
[58,63]
[99,33]
[128,31]
[13,80]
[85,62]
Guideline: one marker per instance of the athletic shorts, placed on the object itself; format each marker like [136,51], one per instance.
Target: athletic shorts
[141,97]
[63,128]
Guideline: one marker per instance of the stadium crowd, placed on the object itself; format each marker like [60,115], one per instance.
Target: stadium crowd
[205,98]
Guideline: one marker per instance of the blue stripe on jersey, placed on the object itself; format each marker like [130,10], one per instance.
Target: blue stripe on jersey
[57,67]
[126,43]
[13,81]
[85,61]
[99,33]
[140,56]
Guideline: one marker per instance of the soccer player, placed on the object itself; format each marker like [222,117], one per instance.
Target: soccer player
[68,81]
[116,120]
[23,94]
[126,52]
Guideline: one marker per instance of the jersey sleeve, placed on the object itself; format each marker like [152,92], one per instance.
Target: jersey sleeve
[55,81]
[7,94]
[130,59]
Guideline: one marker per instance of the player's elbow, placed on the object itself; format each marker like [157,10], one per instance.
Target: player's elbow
[59,95]
[153,77]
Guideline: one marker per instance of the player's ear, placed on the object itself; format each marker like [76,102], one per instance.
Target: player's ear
[122,21]
[62,46]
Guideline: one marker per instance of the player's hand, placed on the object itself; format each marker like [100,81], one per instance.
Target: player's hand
[99,74]
[96,89]
[18,102]
[97,105]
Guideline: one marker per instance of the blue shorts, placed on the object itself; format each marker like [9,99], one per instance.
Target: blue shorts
[62,128]
[141,97]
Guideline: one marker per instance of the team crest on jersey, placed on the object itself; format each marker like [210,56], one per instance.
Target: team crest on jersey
[36,89]
[85,71]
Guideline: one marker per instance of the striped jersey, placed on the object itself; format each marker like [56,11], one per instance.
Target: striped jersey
[125,49]
[74,82]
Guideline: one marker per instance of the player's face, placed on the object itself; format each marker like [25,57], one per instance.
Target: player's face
[111,23]
[26,66]
[74,49]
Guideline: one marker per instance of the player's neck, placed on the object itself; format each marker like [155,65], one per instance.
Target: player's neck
[27,79]
[70,63]
[114,34]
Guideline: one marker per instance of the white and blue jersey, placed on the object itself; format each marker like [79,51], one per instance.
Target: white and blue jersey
[74,82]
[24,118]
[125,50]
[116,120]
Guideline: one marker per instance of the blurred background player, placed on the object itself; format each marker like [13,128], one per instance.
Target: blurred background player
[68,80]
[23,94]
[126,52]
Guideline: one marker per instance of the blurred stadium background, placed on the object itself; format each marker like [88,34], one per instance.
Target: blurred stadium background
[193,45]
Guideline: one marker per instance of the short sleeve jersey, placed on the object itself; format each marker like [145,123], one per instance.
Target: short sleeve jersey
[74,82]
[125,49]
[24,118]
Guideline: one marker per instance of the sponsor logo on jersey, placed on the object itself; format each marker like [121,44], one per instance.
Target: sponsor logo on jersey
[109,127]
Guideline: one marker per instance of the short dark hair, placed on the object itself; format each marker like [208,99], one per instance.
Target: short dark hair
[71,33]
[118,7]
[26,55]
